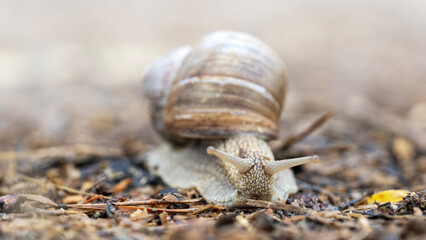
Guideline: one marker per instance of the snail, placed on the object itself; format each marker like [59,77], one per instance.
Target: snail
[217,104]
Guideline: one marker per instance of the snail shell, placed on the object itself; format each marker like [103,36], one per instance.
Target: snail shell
[230,83]
[228,91]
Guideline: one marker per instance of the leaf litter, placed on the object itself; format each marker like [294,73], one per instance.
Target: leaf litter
[95,190]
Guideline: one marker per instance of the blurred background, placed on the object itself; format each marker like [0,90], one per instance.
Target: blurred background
[71,71]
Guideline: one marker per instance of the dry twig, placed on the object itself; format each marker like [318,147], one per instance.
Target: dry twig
[287,143]
[276,206]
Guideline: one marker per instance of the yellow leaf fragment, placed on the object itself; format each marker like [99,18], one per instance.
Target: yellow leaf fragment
[392,196]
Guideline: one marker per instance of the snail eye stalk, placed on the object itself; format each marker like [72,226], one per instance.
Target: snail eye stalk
[274,167]
[243,165]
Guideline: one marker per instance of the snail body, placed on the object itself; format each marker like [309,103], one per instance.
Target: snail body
[217,104]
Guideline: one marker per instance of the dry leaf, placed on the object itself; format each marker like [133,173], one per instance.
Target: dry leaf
[39,198]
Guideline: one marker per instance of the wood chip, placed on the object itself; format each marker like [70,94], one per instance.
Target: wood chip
[163,218]
[122,185]
[73,199]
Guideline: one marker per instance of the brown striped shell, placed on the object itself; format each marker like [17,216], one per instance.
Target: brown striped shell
[228,84]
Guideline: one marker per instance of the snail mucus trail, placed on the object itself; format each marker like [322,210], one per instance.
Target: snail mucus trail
[223,99]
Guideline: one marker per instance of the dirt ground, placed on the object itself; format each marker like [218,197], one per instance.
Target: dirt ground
[74,125]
